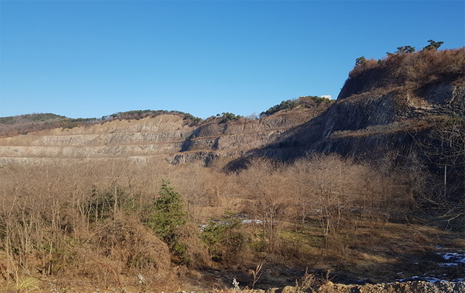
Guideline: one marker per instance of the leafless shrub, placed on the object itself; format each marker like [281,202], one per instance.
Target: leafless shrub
[363,67]
[312,281]
[268,189]
[49,226]
[257,272]
[410,71]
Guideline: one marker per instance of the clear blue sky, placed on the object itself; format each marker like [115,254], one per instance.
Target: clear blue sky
[89,58]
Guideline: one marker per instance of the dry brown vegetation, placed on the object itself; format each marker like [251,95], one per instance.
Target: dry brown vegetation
[84,224]
[23,124]
[423,66]
[410,71]
[89,222]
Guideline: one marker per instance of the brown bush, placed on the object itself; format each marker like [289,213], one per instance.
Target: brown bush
[310,213]
[407,70]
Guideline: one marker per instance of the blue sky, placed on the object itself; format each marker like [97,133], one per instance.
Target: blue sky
[90,58]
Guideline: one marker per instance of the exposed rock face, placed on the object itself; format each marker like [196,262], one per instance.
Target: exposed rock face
[161,135]
[234,139]
[380,109]
[165,137]
[366,124]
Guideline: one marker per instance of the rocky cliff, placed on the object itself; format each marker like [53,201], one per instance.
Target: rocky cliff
[167,137]
[161,135]
[385,106]
[381,106]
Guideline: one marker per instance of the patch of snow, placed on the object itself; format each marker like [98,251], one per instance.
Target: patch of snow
[448,264]
[451,259]
[252,221]
[454,257]
[425,279]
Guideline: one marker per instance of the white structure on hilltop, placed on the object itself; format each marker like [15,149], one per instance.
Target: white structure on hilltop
[326,97]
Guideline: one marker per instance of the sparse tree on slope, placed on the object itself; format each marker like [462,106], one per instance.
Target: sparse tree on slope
[405,49]
[433,46]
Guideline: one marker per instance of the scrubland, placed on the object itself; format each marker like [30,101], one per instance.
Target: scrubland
[82,225]
[107,212]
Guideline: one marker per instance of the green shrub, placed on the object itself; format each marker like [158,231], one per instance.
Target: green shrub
[224,237]
[303,102]
[168,219]
[289,104]
[139,114]
[103,204]
[229,117]
[433,45]
[193,120]
[360,60]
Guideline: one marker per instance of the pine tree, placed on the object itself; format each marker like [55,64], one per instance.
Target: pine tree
[168,219]
[433,46]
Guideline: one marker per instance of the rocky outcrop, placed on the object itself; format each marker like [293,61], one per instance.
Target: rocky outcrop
[236,138]
[162,135]
[383,107]
[167,137]
[363,125]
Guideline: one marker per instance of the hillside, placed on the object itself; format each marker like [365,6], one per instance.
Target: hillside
[23,124]
[384,97]
[407,106]
[169,136]
[367,189]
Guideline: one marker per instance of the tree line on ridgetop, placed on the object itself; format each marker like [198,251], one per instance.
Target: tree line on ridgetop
[433,46]
[23,124]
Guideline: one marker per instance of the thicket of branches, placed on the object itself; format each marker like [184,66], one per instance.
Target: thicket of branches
[112,222]
[417,67]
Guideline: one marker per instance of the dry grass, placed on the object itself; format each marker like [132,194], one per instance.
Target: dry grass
[412,125]
[47,233]
[423,66]
[408,72]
